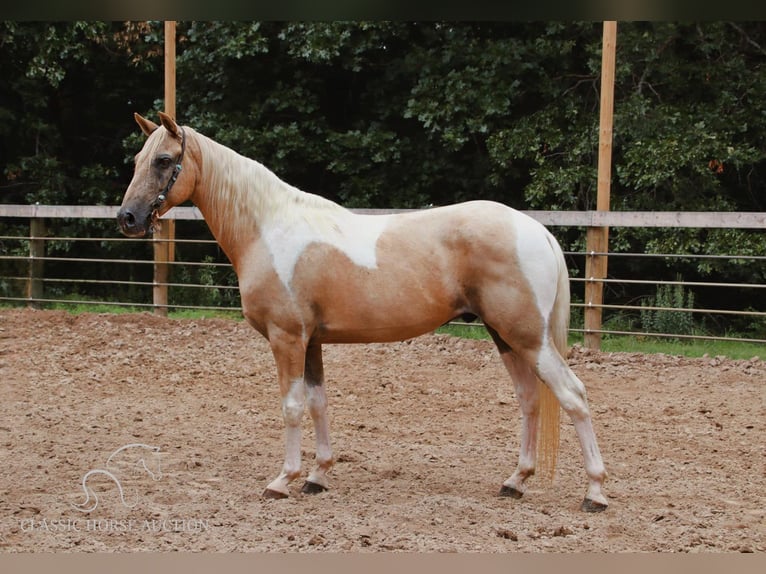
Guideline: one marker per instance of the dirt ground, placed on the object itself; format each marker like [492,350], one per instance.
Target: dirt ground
[424,431]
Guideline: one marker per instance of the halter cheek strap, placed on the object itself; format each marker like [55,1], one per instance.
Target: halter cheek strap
[176,171]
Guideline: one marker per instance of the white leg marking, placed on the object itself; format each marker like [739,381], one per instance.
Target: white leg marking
[317,403]
[525,383]
[570,392]
[293,405]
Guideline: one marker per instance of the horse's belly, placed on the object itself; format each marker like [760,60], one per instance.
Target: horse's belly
[375,332]
[376,305]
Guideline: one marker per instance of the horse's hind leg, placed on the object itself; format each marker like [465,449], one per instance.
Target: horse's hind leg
[317,403]
[525,383]
[570,392]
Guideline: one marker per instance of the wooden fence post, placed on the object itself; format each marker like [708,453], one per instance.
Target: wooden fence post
[164,248]
[161,270]
[35,289]
[597,239]
[597,242]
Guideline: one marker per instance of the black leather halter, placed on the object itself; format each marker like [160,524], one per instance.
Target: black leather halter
[176,171]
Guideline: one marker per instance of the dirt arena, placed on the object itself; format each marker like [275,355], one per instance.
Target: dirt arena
[424,432]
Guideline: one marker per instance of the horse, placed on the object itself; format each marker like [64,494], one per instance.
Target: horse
[312,272]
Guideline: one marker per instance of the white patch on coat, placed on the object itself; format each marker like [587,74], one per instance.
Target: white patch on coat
[354,235]
[537,261]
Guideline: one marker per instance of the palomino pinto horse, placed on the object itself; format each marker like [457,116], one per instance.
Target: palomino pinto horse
[312,272]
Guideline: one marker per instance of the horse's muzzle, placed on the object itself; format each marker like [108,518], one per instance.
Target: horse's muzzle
[132,224]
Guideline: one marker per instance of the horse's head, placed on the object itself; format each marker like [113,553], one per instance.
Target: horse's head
[160,180]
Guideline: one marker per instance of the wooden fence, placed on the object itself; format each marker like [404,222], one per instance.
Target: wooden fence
[595,255]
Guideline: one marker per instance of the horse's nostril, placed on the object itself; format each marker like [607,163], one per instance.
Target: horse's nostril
[126,219]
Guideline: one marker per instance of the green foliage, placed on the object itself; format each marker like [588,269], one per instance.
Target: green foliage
[668,311]
[403,114]
[407,114]
[67,89]
[209,285]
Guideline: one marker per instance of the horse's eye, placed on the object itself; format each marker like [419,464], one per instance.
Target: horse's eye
[164,162]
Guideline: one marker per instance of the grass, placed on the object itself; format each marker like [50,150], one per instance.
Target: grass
[79,307]
[475,331]
[646,345]
[205,314]
[82,304]
[690,348]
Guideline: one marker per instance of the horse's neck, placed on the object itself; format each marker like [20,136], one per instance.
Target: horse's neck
[238,197]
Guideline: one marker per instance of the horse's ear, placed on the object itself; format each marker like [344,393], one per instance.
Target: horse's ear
[170,124]
[147,126]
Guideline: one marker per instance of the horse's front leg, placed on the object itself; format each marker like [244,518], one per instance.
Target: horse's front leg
[290,355]
[317,403]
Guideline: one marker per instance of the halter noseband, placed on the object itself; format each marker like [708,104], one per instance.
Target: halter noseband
[176,171]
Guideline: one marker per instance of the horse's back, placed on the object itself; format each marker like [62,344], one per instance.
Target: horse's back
[477,234]
[484,220]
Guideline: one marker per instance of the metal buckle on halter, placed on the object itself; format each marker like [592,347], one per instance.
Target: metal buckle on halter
[164,195]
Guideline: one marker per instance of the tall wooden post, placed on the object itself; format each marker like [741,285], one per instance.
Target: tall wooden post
[164,248]
[35,290]
[597,238]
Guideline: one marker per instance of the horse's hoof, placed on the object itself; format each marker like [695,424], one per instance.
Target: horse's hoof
[273,494]
[510,492]
[589,505]
[312,488]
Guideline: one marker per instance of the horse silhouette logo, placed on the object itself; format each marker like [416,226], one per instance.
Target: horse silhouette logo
[131,455]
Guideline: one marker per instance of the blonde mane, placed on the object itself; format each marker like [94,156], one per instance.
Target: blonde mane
[236,187]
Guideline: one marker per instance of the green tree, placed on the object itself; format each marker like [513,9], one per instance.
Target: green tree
[407,114]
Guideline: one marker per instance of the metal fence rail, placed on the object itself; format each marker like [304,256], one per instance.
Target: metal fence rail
[31,252]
